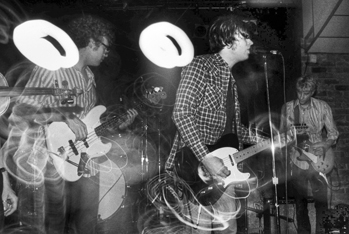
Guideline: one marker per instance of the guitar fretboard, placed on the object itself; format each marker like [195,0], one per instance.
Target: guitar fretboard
[108,125]
[16,91]
[250,151]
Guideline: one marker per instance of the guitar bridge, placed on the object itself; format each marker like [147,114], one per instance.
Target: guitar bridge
[62,153]
[306,147]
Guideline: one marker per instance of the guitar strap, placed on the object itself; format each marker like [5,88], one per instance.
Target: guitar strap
[299,137]
[234,118]
[298,124]
[296,114]
[230,109]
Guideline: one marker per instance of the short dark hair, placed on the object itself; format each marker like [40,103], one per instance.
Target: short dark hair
[86,27]
[223,30]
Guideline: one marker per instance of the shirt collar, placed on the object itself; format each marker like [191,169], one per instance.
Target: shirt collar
[91,75]
[311,105]
[219,61]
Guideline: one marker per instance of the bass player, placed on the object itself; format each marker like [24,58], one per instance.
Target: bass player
[43,195]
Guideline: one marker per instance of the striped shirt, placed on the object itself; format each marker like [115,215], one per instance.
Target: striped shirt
[64,78]
[316,116]
[200,107]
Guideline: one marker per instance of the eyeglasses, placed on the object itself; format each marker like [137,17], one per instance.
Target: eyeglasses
[107,48]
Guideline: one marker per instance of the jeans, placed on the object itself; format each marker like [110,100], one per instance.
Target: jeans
[41,208]
[299,183]
[83,205]
[58,207]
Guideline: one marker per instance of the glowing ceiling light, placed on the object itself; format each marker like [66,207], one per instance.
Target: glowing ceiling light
[157,46]
[29,38]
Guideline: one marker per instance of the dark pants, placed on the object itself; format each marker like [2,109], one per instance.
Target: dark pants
[299,183]
[41,208]
[58,206]
[83,205]
[2,217]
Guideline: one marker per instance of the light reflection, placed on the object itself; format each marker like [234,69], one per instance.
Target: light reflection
[125,166]
[156,44]
[29,38]
[180,207]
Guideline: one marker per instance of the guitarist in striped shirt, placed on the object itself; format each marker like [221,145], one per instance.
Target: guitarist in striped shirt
[310,116]
[42,193]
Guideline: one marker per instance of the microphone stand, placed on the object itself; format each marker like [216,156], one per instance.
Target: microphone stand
[275,179]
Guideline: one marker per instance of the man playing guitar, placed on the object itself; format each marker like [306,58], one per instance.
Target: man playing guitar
[42,193]
[310,117]
[207,105]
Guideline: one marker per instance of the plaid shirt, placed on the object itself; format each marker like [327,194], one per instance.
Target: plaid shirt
[200,108]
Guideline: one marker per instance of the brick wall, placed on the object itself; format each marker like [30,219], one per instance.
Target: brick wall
[332,71]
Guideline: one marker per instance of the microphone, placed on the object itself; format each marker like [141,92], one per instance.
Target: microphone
[263,51]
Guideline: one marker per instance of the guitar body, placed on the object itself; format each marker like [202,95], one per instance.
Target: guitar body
[206,188]
[324,165]
[235,176]
[303,159]
[64,158]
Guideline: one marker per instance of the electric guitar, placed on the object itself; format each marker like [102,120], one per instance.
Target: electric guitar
[68,155]
[303,156]
[207,188]
[7,92]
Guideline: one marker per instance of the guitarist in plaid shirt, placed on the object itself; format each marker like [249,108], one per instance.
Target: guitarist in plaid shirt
[314,115]
[207,106]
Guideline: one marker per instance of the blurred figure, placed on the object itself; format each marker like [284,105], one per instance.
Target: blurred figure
[309,116]
[9,198]
[43,194]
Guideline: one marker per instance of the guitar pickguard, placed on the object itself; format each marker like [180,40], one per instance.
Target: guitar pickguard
[58,135]
[303,157]
[206,188]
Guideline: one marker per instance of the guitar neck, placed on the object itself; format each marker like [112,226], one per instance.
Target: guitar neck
[17,91]
[251,151]
[104,128]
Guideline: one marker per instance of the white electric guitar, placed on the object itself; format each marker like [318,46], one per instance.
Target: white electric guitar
[206,187]
[66,153]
